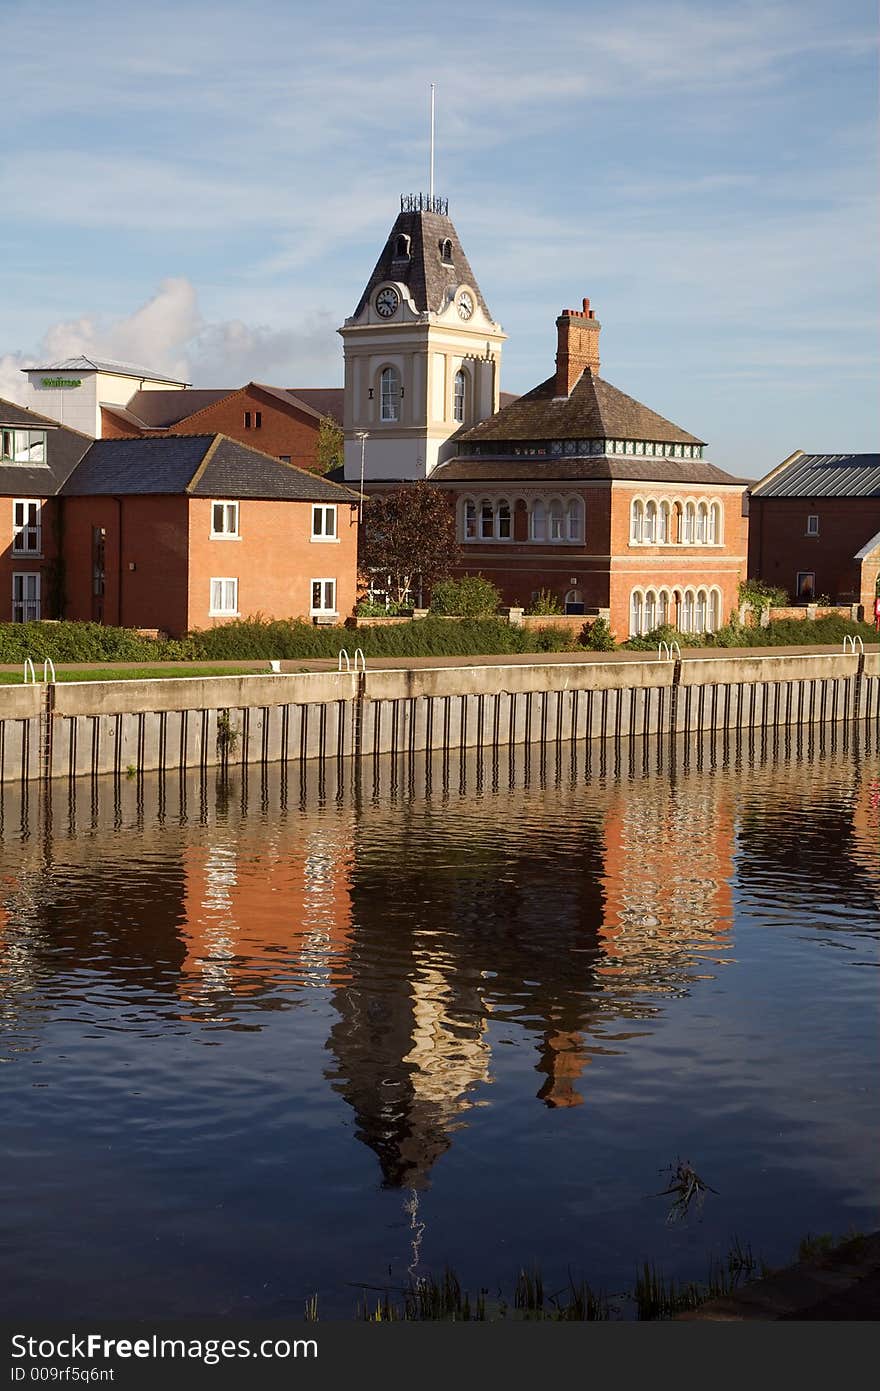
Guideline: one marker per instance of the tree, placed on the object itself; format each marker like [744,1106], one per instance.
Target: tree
[329,445]
[407,540]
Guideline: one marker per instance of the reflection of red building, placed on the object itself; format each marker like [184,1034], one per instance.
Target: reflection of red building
[668,877]
[260,912]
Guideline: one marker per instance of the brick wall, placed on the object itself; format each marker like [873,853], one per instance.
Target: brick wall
[274,561]
[283,431]
[40,563]
[145,561]
[779,547]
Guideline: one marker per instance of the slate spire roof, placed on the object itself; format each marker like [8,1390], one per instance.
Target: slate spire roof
[430,269]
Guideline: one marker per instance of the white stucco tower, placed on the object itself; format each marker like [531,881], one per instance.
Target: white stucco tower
[422,351]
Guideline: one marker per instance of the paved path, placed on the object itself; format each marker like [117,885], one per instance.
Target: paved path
[299,664]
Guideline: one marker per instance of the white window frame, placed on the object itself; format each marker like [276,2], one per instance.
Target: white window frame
[224,611]
[390,390]
[20,606]
[321,513]
[21,530]
[459,395]
[323,611]
[229,509]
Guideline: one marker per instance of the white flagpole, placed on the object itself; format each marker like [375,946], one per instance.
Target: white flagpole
[432,142]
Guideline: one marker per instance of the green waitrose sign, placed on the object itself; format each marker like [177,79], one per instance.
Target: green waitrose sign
[61,381]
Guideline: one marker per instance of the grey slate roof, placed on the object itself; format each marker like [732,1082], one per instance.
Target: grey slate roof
[425,275]
[200,465]
[594,410]
[64,449]
[824,475]
[94,364]
[589,468]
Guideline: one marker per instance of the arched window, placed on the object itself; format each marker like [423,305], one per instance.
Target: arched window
[686,618]
[663,524]
[487,519]
[689,521]
[702,612]
[635,614]
[458,397]
[651,523]
[702,524]
[574,601]
[637,520]
[714,619]
[574,515]
[539,521]
[401,247]
[650,614]
[662,608]
[714,525]
[390,394]
[678,515]
[470,520]
[557,521]
[504,520]
[446,251]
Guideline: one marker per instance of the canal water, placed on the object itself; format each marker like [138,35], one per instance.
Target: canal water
[296,1033]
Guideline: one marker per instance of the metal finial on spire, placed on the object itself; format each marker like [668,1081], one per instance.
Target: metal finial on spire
[431,181]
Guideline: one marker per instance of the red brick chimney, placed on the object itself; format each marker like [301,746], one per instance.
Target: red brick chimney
[577,346]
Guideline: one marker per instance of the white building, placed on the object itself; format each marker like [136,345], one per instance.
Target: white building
[73,391]
[422,351]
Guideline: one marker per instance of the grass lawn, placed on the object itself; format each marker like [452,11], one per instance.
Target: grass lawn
[122,673]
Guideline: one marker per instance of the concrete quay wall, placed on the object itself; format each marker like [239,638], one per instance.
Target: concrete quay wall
[81,729]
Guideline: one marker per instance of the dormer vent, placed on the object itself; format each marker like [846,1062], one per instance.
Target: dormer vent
[401,247]
[446,251]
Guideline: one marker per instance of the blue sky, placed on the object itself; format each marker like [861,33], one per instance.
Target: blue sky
[206,188]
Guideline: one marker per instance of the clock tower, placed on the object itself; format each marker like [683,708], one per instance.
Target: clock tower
[422,351]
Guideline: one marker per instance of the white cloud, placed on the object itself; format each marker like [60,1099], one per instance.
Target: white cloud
[169,335]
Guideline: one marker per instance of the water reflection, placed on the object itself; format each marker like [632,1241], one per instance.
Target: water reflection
[465,935]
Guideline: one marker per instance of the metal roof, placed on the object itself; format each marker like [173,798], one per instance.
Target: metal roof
[824,475]
[94,364]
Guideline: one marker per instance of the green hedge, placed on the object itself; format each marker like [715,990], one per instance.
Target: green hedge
[426,637]
[87,642]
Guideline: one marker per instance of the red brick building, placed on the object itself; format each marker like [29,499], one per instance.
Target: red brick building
[579,489]
[170,532]
[814,527]
[268,418]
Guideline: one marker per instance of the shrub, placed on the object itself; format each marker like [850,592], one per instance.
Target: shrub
[376,608]
[761,595]
[88,642]
[471,597]
[597,636]
[545,602]
[665,633]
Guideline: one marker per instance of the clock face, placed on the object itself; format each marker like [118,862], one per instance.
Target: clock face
[387,301]
[465,305]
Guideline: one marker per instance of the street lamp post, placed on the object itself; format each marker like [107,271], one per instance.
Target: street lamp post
[363,436]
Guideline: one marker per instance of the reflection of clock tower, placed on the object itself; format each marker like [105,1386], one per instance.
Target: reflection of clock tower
[422,351]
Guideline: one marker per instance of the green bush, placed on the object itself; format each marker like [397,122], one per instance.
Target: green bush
[434,636]
[473,596]
[545,602]
[761,595]
[88,642]
[377,608]
[597,636]
[665,633]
